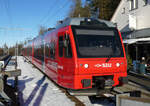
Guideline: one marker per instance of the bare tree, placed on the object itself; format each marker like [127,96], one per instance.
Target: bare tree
[42,30]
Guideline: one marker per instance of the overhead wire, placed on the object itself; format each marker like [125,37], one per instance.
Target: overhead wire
[48,12]
[6,5]
[50,9]
[51,13]
[57,11]
[8,13]
[0,4]
[63,7]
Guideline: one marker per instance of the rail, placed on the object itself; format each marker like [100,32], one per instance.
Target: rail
[142,80]
[127,99]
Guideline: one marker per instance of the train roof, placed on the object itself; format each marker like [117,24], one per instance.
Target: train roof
[79,22]
[85,21]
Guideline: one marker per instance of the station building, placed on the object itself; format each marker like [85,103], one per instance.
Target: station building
[132,18]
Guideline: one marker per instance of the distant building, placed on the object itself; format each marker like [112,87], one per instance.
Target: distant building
[133,20]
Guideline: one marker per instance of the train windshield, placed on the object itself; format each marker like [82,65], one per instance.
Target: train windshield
[97,42]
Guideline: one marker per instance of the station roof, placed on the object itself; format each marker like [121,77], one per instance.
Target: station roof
[132,41]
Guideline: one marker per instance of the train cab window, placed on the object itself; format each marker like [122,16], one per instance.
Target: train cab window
[60,46]
[68,50]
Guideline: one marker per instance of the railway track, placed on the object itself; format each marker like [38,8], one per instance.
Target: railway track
[142,80]
[107,99]
[137,82]
[5,59]
[104,99]
[98,101]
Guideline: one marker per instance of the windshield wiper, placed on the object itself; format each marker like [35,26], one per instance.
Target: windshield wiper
[109,57]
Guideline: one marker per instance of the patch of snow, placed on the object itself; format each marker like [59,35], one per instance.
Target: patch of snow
[37,90]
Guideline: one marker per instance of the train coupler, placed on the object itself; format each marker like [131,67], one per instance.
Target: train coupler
[109,83]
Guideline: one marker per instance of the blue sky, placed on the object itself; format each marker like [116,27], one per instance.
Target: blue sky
[21,19]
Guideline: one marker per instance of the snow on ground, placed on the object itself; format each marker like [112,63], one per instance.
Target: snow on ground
[37,90]
[10,67]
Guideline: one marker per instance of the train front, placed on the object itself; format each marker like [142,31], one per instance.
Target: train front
[101,59]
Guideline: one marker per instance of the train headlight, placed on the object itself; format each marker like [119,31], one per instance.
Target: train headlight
[117,64]
[86,65]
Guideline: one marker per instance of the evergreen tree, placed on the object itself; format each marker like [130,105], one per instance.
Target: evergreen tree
[105,8]
[78,10]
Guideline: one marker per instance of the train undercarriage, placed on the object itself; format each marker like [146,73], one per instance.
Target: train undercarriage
[100,85]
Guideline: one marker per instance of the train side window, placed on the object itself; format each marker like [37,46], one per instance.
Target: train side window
[68,50]
[52,50]
[42,52]
[60,46]
[39,52]
[35,51]
[47,50]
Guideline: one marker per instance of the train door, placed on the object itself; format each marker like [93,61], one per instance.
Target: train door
[42,53]
[43,62]
[66,63]
[32,51]
[60,57]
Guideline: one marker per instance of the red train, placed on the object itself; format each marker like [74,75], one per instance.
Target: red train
[81,53]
